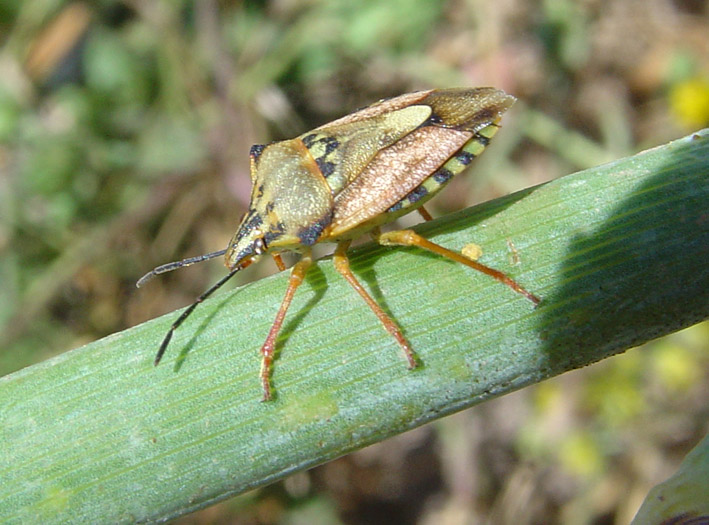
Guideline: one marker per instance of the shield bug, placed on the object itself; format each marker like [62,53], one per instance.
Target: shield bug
[347,178]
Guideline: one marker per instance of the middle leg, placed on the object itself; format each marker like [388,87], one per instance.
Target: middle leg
[342,264]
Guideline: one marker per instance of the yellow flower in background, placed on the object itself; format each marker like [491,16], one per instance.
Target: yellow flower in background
[675,366]
[581,454]
[689,101]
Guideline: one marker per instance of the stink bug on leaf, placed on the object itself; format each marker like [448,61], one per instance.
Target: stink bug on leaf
[347,178]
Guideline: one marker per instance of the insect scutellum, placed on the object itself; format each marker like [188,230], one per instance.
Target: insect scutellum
[347,178]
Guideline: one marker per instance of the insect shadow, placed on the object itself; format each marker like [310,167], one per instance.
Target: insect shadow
[317,283]
[624,278]
[187,348]
[315,278]
[364,269]
[463,219]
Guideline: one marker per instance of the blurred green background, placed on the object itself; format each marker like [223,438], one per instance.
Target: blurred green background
[124,136]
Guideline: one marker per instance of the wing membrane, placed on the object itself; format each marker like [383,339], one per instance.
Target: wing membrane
[456,116]
[342,150]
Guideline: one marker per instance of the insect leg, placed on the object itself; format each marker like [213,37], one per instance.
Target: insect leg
[269,346]
[342,264]
[411,238]
[423,212]
[279,261]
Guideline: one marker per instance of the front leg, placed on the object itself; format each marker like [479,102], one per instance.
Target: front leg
[269,346]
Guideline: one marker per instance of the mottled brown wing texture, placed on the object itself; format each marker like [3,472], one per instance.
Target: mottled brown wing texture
[344,148]
[456,116]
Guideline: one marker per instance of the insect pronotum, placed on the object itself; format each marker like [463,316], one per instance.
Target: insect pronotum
[347,178]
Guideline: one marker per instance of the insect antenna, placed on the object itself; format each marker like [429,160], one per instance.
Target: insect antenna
[177,264]
[190,309]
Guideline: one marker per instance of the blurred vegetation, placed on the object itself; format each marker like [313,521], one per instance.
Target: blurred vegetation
[124,137]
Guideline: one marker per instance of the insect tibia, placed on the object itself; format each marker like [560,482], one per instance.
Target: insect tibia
[411,238]
[164,268]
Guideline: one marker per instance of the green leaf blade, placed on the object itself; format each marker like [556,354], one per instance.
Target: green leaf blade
[617,252]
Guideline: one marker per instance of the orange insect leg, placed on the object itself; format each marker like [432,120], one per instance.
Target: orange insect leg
[342,264]
[423,212]
[279,261]
[411,238]
[269,346]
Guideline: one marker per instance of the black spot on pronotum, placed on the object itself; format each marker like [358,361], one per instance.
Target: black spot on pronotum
[275,231]
[331,144]
[326,168]
[256,150]
[309,140]
[310,234]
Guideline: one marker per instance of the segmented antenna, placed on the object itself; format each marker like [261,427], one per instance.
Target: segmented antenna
[190,309]
[177,264]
